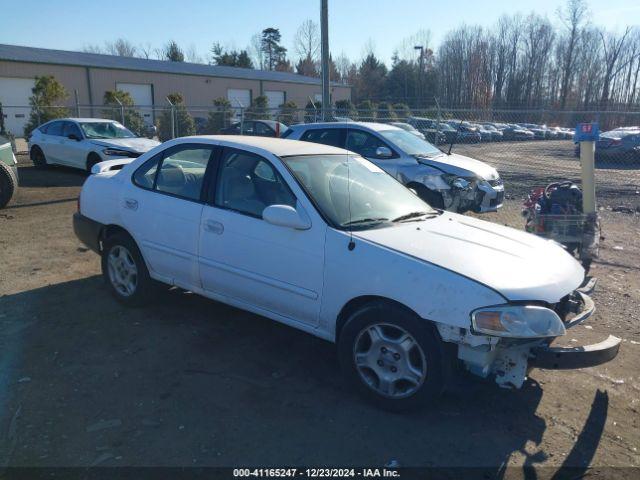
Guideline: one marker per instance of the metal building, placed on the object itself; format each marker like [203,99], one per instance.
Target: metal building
[148,82]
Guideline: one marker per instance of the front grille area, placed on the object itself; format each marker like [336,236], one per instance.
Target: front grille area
[498,200]
[496,183]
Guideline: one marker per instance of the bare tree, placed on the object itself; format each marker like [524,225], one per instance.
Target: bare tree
[255,50]
[191,55]
[121,47]
[306,43]
[572,17]
[612,46]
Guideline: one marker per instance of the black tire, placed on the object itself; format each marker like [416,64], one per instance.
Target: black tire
[431,352]
[92,159]
[37,157]
[432,198]
[8,186]
[144,284]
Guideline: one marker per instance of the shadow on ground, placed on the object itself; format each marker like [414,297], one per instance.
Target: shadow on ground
[190,381]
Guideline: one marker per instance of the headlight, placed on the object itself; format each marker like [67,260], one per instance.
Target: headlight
[458,182]
[517,321]
[112,152]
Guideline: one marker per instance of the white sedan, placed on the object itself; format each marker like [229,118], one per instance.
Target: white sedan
[322,240]
[84,142]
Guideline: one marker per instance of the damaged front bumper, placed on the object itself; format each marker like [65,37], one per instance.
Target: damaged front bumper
[509,360]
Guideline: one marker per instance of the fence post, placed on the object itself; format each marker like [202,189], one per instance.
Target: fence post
[75,94]
[173,119]
[241,120]
[37,107]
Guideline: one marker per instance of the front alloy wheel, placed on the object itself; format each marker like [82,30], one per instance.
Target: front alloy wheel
[389,360]
[393,357]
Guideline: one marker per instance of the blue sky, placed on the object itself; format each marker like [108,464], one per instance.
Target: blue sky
[383,24]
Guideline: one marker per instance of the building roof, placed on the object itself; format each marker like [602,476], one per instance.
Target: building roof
[18,53]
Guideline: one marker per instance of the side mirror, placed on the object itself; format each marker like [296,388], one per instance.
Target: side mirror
[73,136]
[383,152]
[286,216]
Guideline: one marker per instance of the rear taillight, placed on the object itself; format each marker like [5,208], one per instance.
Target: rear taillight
[616,141]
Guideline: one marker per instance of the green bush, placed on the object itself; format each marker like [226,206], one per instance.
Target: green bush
[367,111]
[184,124]
[132,119]
[45,102]
[220,116]
[288,113]
[344,108]
[312,114]
[386,113]
[403,112]
[258,109]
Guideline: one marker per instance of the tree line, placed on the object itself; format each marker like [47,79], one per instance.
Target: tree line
[523,61]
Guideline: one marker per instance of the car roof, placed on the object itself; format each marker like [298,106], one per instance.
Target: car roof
[82,120]
[370,125]
[278,146]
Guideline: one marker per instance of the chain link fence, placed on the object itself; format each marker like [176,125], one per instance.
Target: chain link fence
[528,148]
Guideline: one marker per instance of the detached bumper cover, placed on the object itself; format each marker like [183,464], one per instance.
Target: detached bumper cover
[566,358]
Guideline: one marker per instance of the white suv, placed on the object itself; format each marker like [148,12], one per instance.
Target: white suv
[322,240]
[84,142]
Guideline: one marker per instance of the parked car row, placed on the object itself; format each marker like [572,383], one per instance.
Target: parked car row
[461,131]
[446,181]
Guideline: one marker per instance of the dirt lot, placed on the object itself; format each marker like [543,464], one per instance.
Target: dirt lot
[85,381]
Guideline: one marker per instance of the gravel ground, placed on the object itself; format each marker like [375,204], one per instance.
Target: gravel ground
[188,381]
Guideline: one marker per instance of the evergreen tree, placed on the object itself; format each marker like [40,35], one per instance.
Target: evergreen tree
[288,113]
[220,116]
[258,109]
[184,124]
[48,94]
[132,119]
[367,111]
[344,108]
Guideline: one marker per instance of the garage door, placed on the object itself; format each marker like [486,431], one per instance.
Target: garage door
[274,99]
[235,95]
[142,95]
[14,95]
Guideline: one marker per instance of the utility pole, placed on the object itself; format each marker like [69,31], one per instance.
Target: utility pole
[324,33]
[421,67]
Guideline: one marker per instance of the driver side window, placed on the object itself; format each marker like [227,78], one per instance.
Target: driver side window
[248,184]
[363,143]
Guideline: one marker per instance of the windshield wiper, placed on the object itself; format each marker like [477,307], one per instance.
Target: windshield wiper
[411,215]
[365,220]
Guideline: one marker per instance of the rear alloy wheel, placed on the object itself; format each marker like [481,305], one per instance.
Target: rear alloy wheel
[125,271]
[394,358]
[37,157]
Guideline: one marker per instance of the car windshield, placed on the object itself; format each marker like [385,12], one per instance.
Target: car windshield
[353,192]
[105,130]
[410,143]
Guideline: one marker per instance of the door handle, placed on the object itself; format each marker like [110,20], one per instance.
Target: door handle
[131,204]
[213,227]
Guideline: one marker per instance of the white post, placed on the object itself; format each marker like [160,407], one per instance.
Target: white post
[587,161]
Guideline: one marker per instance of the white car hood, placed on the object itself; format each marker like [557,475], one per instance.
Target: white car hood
[518,265]
[458,164]
[137,144]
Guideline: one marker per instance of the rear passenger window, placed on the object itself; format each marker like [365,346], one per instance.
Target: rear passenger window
[54,128]
[327,136]
[180,173]
[145,175]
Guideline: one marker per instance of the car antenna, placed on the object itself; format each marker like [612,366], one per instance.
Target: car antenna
[351,244]
[455,138]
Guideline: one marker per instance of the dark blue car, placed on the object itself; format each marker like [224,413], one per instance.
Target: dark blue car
[621,144]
